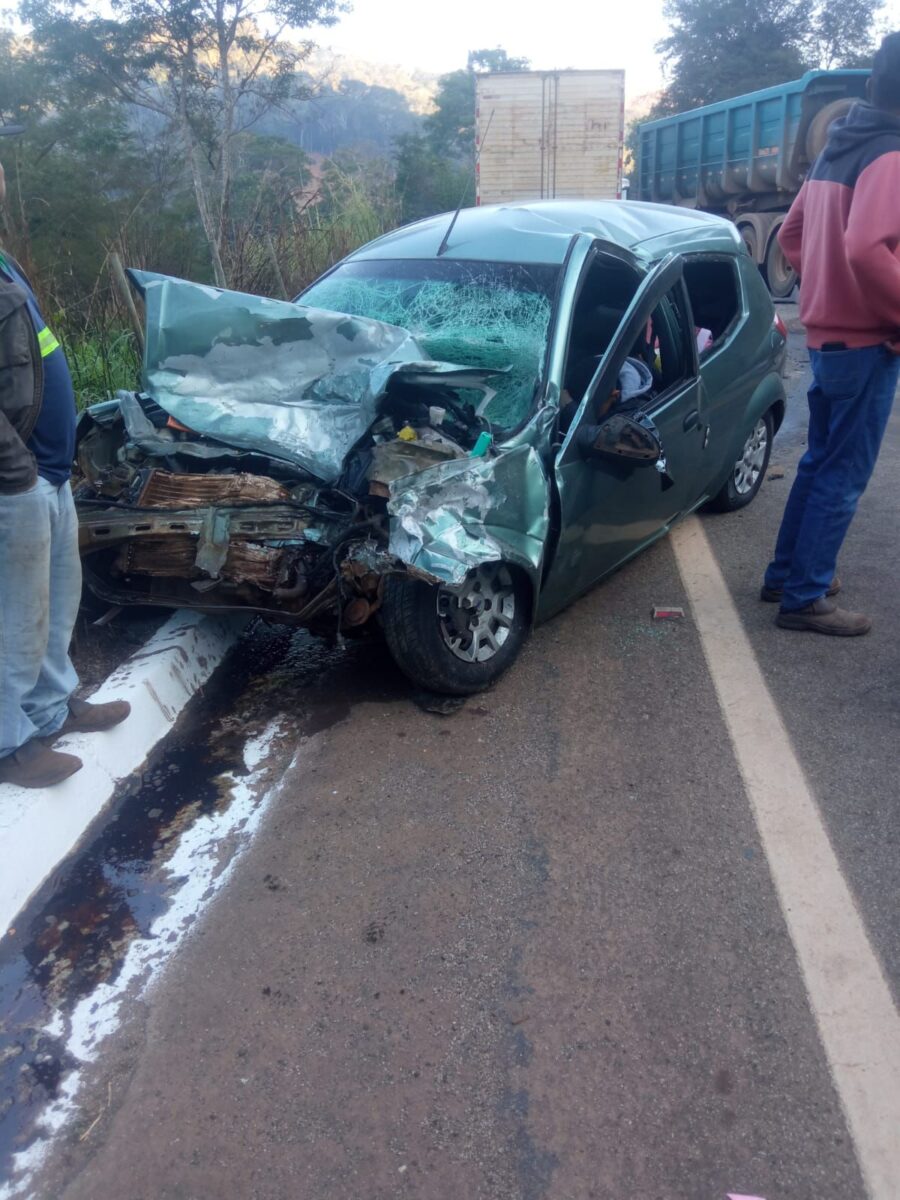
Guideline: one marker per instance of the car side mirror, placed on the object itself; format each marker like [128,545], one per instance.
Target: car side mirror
[622,439]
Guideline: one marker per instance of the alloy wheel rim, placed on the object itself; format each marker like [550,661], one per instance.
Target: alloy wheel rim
[476,618]
[748,467]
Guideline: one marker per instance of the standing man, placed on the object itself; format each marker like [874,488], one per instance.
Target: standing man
[843,237]
[40,570]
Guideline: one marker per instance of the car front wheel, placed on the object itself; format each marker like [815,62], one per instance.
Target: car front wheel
[460,639]
[749,471]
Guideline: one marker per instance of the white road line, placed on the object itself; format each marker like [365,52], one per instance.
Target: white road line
[848,993]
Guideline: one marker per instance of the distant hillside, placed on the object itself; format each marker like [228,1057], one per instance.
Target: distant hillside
[355,105]
[416,87]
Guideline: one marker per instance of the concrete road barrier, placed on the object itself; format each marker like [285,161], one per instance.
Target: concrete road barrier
[38,828]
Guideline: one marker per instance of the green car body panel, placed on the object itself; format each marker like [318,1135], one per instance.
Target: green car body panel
[533,498]
[603,519]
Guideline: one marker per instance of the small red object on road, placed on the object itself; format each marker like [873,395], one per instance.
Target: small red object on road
[665,612]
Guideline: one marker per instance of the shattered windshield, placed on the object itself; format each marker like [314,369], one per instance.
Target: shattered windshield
[490,315]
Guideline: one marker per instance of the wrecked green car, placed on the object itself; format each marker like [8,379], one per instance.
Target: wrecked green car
[450,436]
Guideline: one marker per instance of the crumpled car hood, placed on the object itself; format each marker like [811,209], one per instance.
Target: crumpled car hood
[298,383]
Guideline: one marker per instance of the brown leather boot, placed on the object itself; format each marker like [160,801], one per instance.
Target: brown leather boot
[775,595]
[85,717]
[36,766]
[824,616]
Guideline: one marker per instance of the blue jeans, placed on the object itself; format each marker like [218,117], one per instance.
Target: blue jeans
[849,405]
[40,590]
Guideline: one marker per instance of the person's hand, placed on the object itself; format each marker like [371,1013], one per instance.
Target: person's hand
[894,346]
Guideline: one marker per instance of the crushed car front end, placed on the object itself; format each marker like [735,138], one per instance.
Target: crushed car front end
[289,460]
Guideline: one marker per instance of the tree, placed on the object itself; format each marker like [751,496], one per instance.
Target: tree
[269,174]
[450,129]
[844,33]
[435,167]
[429,181]
[481,61]
[208,68]
[75,179]
[723,48]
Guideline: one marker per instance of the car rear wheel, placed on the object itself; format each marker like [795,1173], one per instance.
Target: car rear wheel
[749,471]
[457,640]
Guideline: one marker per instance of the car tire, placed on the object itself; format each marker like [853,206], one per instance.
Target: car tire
[749,471]
[457,640]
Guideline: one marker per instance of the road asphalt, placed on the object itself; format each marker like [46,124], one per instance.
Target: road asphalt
[532,948]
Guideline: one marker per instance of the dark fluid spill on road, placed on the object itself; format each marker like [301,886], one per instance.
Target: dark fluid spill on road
[76,931]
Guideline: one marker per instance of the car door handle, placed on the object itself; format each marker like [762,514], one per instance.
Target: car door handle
[692,420]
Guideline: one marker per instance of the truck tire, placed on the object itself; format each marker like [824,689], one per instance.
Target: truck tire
[817,133]
[750,239]
[780,275]
[457,641]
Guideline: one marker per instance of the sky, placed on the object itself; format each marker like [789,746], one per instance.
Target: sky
[567,33]
[436,37]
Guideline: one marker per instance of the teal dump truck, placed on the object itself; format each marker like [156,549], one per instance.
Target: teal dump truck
[747,158]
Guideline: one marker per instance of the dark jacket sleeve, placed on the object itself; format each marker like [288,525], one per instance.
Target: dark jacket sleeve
[19,369]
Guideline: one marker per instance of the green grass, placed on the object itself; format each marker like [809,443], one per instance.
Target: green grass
[101,362]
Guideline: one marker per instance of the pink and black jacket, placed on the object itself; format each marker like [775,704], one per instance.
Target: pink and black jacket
[843,234]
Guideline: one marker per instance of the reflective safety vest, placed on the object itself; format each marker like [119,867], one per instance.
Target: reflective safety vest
[46,340]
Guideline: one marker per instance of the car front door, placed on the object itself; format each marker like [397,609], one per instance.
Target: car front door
[608,511]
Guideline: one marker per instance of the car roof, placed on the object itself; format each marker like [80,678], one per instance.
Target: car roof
[541,232]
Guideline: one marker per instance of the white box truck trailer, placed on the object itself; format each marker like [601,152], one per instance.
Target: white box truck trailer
[549,135]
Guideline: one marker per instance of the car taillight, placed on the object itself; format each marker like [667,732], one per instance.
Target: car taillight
[780,326]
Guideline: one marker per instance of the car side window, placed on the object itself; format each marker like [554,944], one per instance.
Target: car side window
[607,289]
[661,358]
[666,346]
[714,288]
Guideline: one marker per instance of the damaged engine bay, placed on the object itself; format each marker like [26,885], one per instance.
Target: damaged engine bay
[233,529]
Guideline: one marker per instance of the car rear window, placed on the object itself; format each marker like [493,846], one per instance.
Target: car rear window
[476,314]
